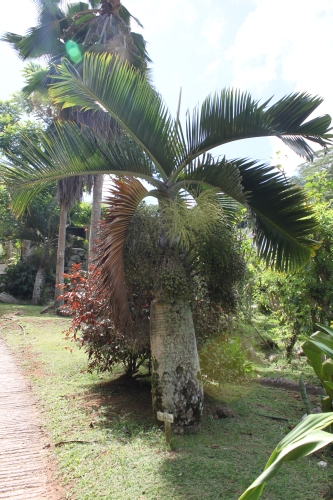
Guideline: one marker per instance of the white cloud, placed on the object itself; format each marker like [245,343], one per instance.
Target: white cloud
[286,45]
[210,73]
[213,31]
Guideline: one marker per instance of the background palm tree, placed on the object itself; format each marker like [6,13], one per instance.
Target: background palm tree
[94,26]
[173,161]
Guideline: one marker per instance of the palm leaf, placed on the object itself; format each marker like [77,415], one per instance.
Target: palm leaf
[36,81]
[39,41]
[68,151]
[125,196]
[208,172]
[233,115]
[282,220]
[26,234]
[112,85]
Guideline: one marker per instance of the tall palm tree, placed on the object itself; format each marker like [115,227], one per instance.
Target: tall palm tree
[157,149]
[93,26]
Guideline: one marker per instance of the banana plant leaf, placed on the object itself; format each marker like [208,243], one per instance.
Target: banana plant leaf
[326,329]
[314,355]
[322,342]
[306,438]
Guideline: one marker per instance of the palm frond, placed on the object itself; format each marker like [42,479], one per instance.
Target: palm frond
[36,82]
[39,41]
[25,233]
[69,151]
[233,115]
[124,198]
[184,221]
[221,174]
[74,8]
[112,85]
[282,220]
[127,16]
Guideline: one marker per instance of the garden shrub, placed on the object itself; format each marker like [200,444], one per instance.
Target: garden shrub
[224,360]
[20,278]
[92,327]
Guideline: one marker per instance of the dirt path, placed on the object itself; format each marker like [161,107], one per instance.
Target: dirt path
[24,466]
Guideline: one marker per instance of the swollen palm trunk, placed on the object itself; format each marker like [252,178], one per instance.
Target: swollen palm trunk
[176,377]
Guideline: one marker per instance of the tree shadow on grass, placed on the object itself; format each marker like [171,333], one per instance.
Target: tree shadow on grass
[122,405]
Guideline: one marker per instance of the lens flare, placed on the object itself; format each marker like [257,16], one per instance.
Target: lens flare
[73,51]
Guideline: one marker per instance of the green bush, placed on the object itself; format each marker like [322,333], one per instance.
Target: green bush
[20,279]
[224,360]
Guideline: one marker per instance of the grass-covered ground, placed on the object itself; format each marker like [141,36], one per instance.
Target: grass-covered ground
[125,456]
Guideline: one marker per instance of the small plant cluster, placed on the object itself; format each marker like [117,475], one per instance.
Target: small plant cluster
[92,327]
[20,278]
[224,360]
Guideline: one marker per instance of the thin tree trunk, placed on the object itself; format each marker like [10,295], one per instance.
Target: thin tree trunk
[9,248]
[60,266]
[38,285]
[95,214]
[176,377]
[25,249]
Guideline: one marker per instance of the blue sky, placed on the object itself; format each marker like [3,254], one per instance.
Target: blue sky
[267,47]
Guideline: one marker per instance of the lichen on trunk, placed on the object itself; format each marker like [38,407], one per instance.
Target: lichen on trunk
[176,378]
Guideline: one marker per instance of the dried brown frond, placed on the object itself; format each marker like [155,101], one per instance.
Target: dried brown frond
[125,196]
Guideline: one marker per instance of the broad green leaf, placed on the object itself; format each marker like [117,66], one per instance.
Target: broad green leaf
[323,342]
[328,384]
[327,404]
[306,438]
[314,355]
[326,329]
[311,423]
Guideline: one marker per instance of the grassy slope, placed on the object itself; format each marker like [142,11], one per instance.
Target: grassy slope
[127,457]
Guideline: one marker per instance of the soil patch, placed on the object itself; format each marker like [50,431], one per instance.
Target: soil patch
[283,383]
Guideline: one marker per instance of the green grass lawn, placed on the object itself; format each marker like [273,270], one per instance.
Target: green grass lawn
[125,456]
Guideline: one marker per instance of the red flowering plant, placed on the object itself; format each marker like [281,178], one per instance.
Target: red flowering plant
[92,326]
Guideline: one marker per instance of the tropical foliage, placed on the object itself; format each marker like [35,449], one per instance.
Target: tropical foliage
[19,279]
[304,439]
[318,348]
[13,125]
[70,30]
[177,163]
[208,278]
[224,360]
[299,300]
[92,327]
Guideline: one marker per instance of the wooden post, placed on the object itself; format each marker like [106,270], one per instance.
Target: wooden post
[167,418]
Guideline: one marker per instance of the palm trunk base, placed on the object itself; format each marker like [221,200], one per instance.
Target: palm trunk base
[176,378]
[39,282]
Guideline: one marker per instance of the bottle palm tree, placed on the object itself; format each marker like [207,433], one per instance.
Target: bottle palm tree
[93,26]
[174,160]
